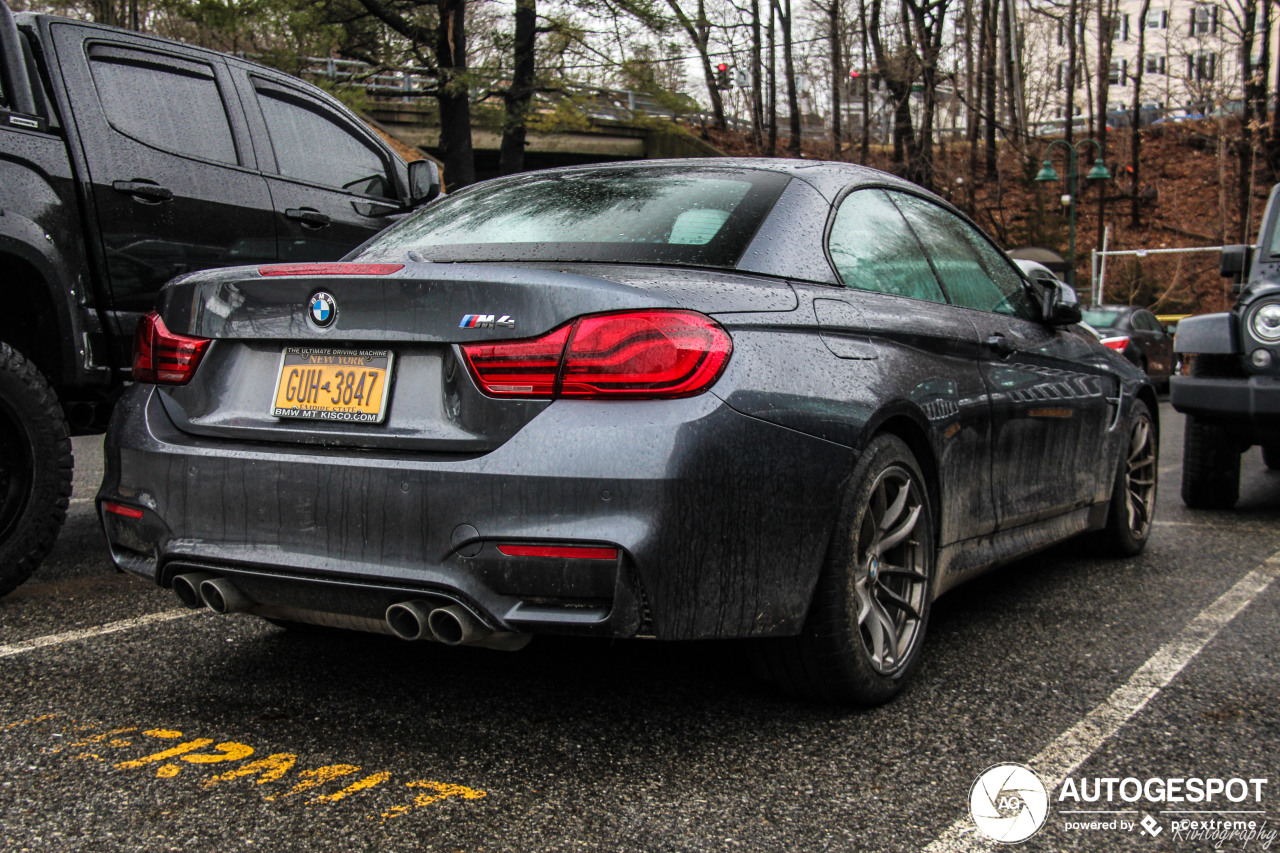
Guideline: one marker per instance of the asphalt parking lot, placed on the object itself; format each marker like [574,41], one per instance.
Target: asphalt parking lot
[177,730]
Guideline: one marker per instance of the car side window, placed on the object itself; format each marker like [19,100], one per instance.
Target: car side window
[972,271]
[165,102]
[310,146]
[873,249]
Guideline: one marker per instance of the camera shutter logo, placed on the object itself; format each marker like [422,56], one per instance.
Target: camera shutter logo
[1009,803]
[323,309]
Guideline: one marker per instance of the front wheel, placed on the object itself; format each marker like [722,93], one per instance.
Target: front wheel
[1133,496]
[35,468]
[862,638]
[1210,465]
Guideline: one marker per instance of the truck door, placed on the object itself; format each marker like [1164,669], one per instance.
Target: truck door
[333,184]
[171,169]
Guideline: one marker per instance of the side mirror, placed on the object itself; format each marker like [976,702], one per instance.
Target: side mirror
[424,182]
[1061,305]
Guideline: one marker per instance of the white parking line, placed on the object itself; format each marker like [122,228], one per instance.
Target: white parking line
[109,628]
[1074,746]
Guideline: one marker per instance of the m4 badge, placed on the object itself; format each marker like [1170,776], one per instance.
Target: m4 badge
[486,321]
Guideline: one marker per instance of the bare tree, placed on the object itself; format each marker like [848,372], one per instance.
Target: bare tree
[789,71]
[1135,124]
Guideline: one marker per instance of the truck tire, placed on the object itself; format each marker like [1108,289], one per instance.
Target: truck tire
[35,468]
[1210,465]
[1210,456]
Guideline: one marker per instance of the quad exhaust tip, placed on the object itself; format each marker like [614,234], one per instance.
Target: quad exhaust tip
[453,626]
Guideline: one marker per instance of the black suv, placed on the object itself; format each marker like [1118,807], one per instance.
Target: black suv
[126,160]
[1232,395]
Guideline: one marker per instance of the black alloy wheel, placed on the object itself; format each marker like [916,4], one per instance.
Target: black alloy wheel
[1133,498]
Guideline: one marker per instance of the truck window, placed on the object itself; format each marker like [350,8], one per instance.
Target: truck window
[310,146]
[164,104]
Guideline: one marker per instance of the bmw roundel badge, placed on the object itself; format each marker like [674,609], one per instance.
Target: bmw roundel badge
[323,309]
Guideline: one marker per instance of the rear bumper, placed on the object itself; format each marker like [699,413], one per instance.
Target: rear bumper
[1250,405]
[720,520]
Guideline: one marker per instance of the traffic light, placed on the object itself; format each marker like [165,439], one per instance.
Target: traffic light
[722,76]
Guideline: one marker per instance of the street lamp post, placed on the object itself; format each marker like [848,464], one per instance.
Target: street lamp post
[1047,173]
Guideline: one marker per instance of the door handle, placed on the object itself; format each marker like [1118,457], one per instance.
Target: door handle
[308,217]
[1000,345]
[143,190]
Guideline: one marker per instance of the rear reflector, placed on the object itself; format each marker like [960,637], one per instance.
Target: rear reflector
[631,354]
[1117,344]
[163,357]
[121,509]
[571,552]
[330,269]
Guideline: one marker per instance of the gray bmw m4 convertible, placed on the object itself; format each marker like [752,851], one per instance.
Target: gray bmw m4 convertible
[760,399]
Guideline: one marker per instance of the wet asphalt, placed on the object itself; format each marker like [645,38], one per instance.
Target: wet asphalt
[228,733]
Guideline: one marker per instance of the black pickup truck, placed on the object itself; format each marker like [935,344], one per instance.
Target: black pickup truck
[126,160]
[1231,396]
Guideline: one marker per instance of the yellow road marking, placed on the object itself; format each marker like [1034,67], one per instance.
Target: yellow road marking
[180,749]
[366,782]
[442,790]
[317,777]
[272,768]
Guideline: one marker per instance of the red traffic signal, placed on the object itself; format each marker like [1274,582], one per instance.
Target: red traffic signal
[723,66]
[853,74]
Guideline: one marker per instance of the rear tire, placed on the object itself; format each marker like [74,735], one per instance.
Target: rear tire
[1133,496]
[35,468]
[1210,455]
[862,638]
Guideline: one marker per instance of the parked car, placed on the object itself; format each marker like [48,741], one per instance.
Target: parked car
[1137,335]
[127,160]
[1231,396]
[681,400]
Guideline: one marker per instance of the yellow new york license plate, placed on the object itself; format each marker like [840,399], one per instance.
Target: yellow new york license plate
[333,384]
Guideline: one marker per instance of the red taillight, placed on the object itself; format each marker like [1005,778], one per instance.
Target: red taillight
[518,368]
[121,509]
[633,354]
[162,357]
[571,552]
[1117,344]
[329,269]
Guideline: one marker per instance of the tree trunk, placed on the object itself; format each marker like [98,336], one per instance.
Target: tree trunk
[1108,21]
[517,97]
[789,69]
[864,153]
[838,75]
[1135,130]
[453,96]
[1072,24]
[773,83]
[757,96]
[1244,147]
[989,85]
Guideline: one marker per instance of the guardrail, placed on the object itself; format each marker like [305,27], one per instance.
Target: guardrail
[409,83]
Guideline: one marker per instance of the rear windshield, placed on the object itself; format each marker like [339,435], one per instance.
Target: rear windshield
[663,215]
[1100,319]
